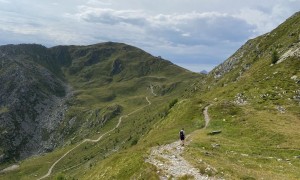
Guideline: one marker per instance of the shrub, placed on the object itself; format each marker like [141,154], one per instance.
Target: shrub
[134,142]
[60,177]
[172,103]
[275,57]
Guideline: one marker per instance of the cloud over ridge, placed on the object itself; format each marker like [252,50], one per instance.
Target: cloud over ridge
[187,33]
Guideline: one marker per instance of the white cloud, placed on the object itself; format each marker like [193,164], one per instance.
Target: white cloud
[98,2]
[108,16]
[4,1]
[185,28]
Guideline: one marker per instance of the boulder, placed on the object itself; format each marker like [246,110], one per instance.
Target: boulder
[214,132]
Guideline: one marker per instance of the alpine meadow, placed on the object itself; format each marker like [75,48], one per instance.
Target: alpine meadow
[114,111]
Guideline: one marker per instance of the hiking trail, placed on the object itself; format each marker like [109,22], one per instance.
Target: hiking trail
[92,140]
[206,116]
[169,161]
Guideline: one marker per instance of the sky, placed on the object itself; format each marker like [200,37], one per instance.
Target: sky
[194,34]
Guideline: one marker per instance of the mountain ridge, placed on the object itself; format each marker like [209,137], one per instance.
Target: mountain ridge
[46,80]
[253,99]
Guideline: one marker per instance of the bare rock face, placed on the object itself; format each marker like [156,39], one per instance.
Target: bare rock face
[32,102]
[292,52]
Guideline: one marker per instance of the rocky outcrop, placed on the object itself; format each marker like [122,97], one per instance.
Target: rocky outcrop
[32,101]
[116,67]
[294,51]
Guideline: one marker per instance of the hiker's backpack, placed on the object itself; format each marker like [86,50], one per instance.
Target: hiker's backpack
[181,134]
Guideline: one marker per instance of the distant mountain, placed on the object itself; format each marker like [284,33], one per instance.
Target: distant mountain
[41,88]
[204,72]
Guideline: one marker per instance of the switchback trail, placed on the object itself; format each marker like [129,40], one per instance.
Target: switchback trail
[169,161]
[92,140]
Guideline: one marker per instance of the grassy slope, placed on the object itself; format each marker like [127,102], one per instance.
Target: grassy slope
[95,89]
[257,140]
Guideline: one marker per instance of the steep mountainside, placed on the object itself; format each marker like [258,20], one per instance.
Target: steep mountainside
[47,93]
[29,95]
[255,102]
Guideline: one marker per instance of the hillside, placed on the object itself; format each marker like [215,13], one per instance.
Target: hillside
[114,123]
[56,96]
[255,102]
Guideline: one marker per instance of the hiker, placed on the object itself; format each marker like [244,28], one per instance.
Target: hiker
[182,136]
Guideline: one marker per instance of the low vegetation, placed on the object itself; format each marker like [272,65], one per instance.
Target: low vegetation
[254,107]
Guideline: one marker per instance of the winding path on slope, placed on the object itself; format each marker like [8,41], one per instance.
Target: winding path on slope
[92,140]
[169,161]
[206,116]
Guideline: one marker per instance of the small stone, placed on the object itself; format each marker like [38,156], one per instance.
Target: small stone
[207,169]
[294,78]
[214,132]
[207,153]
[215,145]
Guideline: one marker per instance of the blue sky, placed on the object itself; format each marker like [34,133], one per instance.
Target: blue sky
[195,34]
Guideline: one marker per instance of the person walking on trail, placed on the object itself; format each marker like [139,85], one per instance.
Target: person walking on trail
[182,136]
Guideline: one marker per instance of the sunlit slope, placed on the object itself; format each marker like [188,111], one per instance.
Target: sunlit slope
[116,77]
[255,97]
[109,81]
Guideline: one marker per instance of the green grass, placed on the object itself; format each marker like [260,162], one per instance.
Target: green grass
[256,140]
[94,93]
[250,144]
[4,110]
[86,160]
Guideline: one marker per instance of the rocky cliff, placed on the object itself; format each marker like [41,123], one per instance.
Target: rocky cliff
[32,101]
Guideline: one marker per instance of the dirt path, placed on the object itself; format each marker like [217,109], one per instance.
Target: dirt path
[10,168]
[170,164]
[169,161]
[206,116]
[92,140]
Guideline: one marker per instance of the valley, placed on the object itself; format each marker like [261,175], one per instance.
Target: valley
[113,111]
